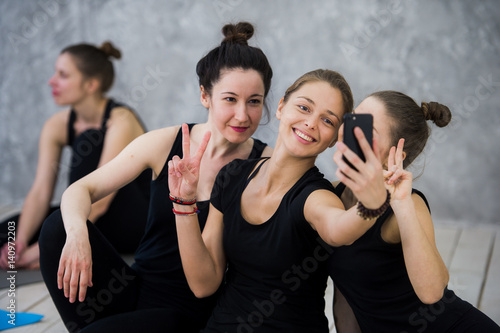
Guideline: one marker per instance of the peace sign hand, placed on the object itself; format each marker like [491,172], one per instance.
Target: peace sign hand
[183,174]
[398,181]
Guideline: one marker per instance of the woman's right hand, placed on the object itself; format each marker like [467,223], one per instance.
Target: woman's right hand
[75,267]
[183,174]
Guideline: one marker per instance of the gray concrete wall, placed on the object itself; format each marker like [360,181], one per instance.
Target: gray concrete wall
[447,51]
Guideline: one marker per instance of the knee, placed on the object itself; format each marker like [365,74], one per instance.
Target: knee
[52,231]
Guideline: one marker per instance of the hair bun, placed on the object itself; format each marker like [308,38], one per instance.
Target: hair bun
[237,34]
[438,113]
[110,50]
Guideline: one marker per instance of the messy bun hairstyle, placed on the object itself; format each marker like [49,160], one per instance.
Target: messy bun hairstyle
[409,121]
[234,52]
[94,62]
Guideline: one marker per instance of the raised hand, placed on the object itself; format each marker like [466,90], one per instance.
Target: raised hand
[367,182]
[398,181]
[183,174]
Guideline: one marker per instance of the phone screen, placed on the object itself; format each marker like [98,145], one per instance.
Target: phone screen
[363,121]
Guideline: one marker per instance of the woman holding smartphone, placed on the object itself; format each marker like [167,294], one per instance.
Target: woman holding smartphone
[392,279]
[269,218]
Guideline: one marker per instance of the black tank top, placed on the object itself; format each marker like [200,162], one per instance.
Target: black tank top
[87,147]
[276,275]
[372,276]
[129,208]
[157,259]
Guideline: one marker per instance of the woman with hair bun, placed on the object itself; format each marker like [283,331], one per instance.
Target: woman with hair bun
[392,279]
[96,128]
[93,289]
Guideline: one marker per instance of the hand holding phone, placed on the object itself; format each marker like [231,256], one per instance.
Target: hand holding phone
[363,121]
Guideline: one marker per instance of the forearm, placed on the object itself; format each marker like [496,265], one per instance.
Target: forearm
[75,209]
[426,269]
[197,262]
[349,227]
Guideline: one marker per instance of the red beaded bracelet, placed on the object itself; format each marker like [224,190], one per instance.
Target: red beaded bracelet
[180,201]
[194,212]
[370,214]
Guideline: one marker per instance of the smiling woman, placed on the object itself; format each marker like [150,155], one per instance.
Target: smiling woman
[270,217]
[234,80]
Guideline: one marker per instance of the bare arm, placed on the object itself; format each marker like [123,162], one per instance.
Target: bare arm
[37,202]
[123,128]
[203,258]
[427,272]
[147,151]
[324,210]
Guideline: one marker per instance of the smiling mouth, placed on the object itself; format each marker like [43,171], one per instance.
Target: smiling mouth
[239,129]
[303,136]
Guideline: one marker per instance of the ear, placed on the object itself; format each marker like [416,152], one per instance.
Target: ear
[279,110]
[204,97]
[91,85]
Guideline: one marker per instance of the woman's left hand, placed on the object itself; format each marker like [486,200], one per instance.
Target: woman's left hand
[398,181]
[366,181]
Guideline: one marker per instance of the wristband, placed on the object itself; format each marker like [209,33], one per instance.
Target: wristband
[194,212]
[180,201]
[370,214]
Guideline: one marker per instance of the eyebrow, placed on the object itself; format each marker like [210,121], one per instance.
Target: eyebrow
[234,94]
[312,102]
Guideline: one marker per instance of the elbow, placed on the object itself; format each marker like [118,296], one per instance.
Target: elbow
[430,296]
[202,292]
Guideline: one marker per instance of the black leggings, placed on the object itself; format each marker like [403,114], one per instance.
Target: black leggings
[111,304]
[474,321]
[124,237]
[4,225]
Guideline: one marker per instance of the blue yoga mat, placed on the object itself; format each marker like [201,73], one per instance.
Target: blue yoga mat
[8,320]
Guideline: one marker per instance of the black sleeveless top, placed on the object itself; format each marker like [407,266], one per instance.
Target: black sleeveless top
[157,259]
[372,276]
[129,208]
[276,275]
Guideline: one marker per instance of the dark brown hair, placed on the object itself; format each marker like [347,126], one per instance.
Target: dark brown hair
[94,62]
[234,52]
[334,79]
[409,121]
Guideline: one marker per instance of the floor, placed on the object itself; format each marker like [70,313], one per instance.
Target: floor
[471,253]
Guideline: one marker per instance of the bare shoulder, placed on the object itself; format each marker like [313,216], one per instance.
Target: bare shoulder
[123,117]
[55,128]
[419,202]
[267,152]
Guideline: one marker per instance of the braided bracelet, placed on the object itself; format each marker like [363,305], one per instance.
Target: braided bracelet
[180,201]
[370,214]
[194,212]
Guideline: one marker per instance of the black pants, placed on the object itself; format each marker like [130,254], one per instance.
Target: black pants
[474,321]
[4,225]
[124,237]
[112,303]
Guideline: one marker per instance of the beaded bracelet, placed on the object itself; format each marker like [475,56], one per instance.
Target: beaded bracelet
[180,201]
[194,212]
[370,214]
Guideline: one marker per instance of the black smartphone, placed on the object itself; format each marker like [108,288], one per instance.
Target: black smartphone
[363,121]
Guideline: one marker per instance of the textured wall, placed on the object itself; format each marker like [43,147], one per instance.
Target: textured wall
[448,51]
